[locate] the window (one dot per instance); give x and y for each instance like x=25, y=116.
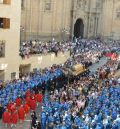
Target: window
x=2, y=48
x=118, y=15
x=48, y=5
x=5, y=1
x=2, y=75
x=5, y=23
x=13, y=75
x=1, y=22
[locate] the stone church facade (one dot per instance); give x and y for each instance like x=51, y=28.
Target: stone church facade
x=62, y=19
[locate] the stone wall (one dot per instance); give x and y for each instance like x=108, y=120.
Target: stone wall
x=11, y=36
x=44, y=19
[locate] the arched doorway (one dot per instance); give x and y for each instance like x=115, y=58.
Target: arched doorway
x=79, y=28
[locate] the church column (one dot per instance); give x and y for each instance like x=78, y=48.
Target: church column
x=89, y=15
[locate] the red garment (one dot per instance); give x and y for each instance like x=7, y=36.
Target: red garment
x=32, y=104
x=9, y=106
x=39, y=97
x=18, y=102
x=26, y=108
x=21, y=113
x=27, y=100
x=13, y=108
x=14, y=118
x=6, y=117
x=114, y=56
x=27, y=94
x=109, y=54
x=33, y=96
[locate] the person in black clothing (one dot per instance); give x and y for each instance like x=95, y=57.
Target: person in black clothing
x=1, y=111
x=38, y=125
x=34, y=118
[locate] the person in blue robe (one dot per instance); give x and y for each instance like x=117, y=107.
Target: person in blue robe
x=43, y=120
x=68, y=123
x=63, y=126
x=114, y=115
x=50, y=118
x=77, y=121
x=93, y=125
x=99, y=126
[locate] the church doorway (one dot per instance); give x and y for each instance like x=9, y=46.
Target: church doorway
x=79, y=28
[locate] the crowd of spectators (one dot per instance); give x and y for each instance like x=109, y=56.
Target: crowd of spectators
x=85, y=52
x=69, y=105
x=37, y=47
x=28, y=48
